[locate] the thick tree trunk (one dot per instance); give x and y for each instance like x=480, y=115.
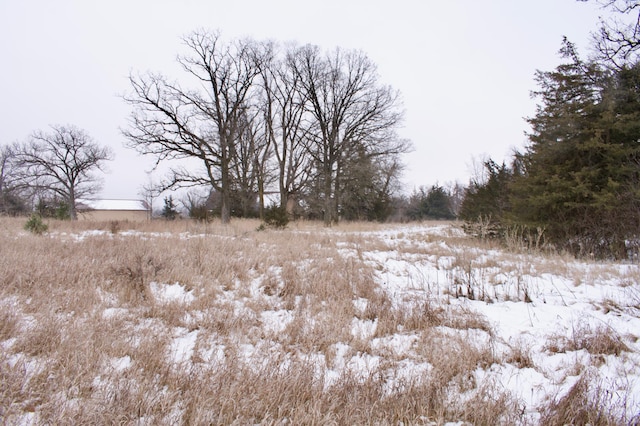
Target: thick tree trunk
x=328, y=199
x=284, y=194
x=225, y=208
x=225, y=205
x=72, y=205
x=261, y=198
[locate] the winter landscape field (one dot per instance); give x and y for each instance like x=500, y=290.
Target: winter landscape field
x=415, y=324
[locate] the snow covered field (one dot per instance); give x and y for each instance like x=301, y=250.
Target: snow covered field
x=553, y=321
x=370, y=324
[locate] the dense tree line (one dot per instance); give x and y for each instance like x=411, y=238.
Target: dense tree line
x=316, y=130
x=576, y=185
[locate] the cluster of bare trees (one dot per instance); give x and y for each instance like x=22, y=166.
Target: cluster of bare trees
x=50, y=170
x=317, y=128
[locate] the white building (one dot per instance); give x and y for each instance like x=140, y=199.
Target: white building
x=110, y=210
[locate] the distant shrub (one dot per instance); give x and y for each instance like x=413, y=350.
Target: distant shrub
x=35, y=225
x=201, y=213
x=114, y=227
x=170, y=212
x=54, y=208
x=276, y=217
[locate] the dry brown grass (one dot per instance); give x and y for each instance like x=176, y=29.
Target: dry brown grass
x=8, y=322
x=519, y=354
x=588, y=402
x=597, y=340
x=86, y=339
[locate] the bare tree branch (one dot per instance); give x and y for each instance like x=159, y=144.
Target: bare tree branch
x=618, y=38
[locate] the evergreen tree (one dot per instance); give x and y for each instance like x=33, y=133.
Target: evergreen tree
x=435, y=204
x=416, y=206
x=487, y=200
x=438, y=204
x=580, y=171
x=169, y=212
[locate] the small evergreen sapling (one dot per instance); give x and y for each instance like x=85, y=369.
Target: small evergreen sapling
x=276, y=217
x=35, y=225
x=169, y=212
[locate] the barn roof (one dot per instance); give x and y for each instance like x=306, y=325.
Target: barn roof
x=129, y=205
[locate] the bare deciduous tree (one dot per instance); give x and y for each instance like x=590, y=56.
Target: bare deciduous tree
x=350, y=112
x=6, y=155
x=62, y=162
x=250, y=170
x=149, y=191
x=286, y=127
x=171, y=122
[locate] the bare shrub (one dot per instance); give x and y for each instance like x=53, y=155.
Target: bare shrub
x=292, y=284
x=115, y=226
x=137, y=269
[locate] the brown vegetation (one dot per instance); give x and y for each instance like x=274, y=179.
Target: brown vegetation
x=266, y=335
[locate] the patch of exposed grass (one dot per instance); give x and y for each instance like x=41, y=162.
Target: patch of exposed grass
x=588, y=402
x=597, y=340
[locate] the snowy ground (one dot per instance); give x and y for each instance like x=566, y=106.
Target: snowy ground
x=555, y=311
x=549, y=321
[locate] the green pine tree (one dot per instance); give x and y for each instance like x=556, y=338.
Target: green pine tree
x=169, y=211
x=580, y=171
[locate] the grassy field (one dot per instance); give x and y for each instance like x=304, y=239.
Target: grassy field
x=186, y=323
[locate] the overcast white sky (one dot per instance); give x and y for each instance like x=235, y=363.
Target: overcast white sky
x=465, y=68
